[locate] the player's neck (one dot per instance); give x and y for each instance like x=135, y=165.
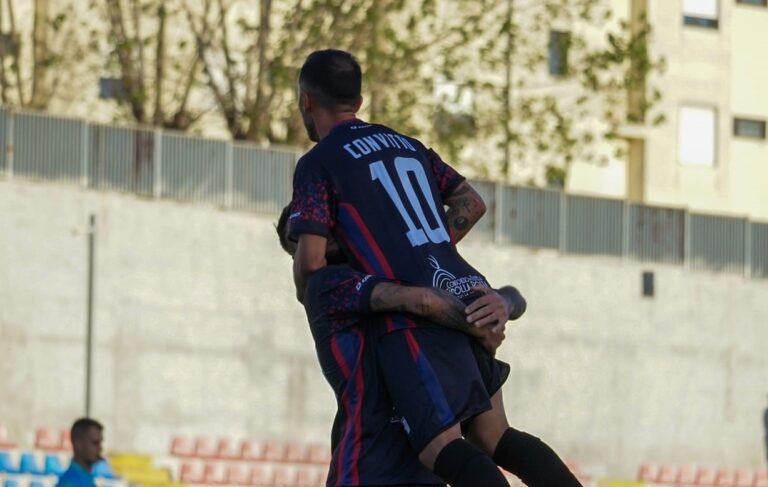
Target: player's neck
x=331, y=120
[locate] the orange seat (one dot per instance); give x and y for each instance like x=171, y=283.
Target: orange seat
x=686, y=475
x=227, y=449
x=704, y=476
x=261, y=476
x=275, y=452
x=647, y=472
x=725, y=477
x=213, y=473
x=285, y=477
x=666, y=474
x=297, y=453
x=744, y=478
x=319, y=454
x=205, y=447
x=65, y=441
x=182, y=446
x=47, y=440
x=191, y=473
x=4, y=441
x=237, y=474
x=308, y=478
x=251, y=450
x=761, y=479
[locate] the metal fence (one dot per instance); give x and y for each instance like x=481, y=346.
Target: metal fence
x=162, y=164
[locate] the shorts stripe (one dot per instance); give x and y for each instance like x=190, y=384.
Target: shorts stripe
x=347, y=349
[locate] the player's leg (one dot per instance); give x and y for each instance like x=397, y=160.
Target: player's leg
x=520, y=453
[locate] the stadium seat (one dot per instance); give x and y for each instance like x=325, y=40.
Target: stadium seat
x=261, y=476
x=285, y=477
x=251, y=450
x=7, y=464
x=53, y=465
x=319, y=454
x=65, y=441
x=47, y=440
x=36, y=483
x=761, y=479
x=704, y=476
x=103, y=470
x=686, y=475
x=297, y=453
x=309, y=478
x=237, y=474
x=744, y=478
x=227, y=450
x=724, y=477
x=182, y=447
x=647, y=472
x=666, y=474
x=191, y=473
x=205, y=447
x=274, y=452
x=5, y=443
x=28, y=464
x=11, y=483
x=213, y=473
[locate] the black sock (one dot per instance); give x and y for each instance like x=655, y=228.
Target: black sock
x=532, y=460
x=463, y=465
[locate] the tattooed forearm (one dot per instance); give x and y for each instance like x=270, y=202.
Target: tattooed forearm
x=465, y=208
x=390, y=297
x=448, y=311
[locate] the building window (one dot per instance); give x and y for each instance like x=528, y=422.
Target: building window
x=697, y=136
x=559, y=45
x=744, y=127
x=759, y=3
x=700, y=13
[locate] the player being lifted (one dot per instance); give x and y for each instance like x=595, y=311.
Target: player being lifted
x=381, y=194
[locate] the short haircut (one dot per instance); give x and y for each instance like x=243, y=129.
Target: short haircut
x=333, y=77
x=82, y=425
x=282, y=230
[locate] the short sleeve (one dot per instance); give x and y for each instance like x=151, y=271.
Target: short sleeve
x=338, y=297
x=447, y=178
x=312, y=202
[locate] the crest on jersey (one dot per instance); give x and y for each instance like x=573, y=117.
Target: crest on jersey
x=459, y=287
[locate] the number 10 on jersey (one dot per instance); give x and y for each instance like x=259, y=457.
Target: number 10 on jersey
x=405, y=165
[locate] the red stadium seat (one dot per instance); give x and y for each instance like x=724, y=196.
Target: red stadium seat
x=666, y=474
x=285, y=477
x=182, y=446
x=251, y=450
x=191, y=473
x=238, y=474
x=704, y=476
x=319, y=454
x=4, y=441
x=275, y=452
x=261, y=476
x=205, y=448
x=65, y=441
x=227, y=450
x=686, y=475
x=213, y=473
x=47, y=440
x=744, y=478
x=647, y=472
x=761, y=479
x=725, y=477
x=297, y=453
x=308, y=478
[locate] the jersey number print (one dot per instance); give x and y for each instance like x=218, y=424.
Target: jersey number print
x=405, y=165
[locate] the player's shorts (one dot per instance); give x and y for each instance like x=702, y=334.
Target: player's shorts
x=436, y=377
x=369, y=446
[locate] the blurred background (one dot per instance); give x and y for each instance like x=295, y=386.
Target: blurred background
x=147, y=146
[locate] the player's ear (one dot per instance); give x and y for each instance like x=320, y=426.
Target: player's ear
x=358, y=103
x=305, y=100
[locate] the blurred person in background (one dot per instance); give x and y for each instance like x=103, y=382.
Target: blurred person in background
x=87, y=437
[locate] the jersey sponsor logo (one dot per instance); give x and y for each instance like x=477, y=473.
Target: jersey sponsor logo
x=403, y=422
x=460, y=287
x=359, y=285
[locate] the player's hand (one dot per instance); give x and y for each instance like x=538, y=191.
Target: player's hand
x=491, y=340
x=443, y=308
x=489, y=309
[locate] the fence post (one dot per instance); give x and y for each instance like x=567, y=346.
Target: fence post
x=157, y=164
x=747, y=248
x=10, y=148
x=84, y=173
x=687, y=241
x=562, y=233
x=498, y=212
x=625, y=230
x=229, y=175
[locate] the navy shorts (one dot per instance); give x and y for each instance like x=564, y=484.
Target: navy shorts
x=436, y=378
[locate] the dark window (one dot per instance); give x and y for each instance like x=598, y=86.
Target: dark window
x=112, y=88
x=700, y=22
x=759, y=3
x=559, y=45
x=648, y=290
x=744, y=127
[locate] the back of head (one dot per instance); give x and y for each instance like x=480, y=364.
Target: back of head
x=81, y=426
x=333, y=77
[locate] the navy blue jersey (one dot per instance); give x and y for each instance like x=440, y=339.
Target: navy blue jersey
x=369, y=444
x=380, y=194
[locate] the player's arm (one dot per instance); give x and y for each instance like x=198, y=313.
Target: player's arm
x=495, y=307
x=465, y=208
x=309, y=257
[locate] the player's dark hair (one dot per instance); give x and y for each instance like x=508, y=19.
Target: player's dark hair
x=81, y=427
x=282, y=230
x=333, y=77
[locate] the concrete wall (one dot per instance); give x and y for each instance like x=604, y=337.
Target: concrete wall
x=197, y=331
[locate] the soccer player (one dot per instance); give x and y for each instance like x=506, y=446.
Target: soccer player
x=381, y=194
x=87, y=436
x=368, y=442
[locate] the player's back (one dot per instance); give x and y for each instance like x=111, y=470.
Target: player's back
x=384, y=198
